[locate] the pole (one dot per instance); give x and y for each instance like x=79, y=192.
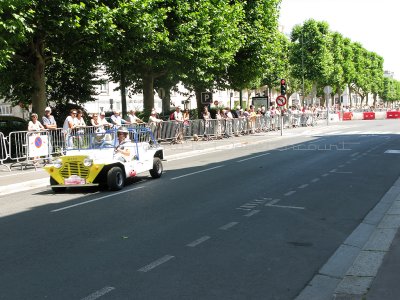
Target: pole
x=327, y=110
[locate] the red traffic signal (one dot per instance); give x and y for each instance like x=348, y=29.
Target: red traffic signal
x=283, y=81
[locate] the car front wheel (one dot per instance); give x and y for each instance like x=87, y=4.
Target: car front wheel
x=54, y=187
x=115, y=179
x=157, y=170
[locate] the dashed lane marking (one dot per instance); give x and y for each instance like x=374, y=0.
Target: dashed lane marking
x=228, y=226
x=315, y=180
x=99, y=293
x=198, y=241
x=289, y=193
x=242, y=160
x=97, y=199
x=194, y=173
x=156, y=263
x=324, y=175
x=252, y=213
x=303, y=186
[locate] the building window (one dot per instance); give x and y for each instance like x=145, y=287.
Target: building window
x=104, y=88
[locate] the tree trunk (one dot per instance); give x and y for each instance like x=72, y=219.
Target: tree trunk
x=198, y=101
x=166, y=101
x=123, y=91
x=39, y=81
x=148, y=91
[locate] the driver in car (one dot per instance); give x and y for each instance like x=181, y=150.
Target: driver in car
x=123, y=149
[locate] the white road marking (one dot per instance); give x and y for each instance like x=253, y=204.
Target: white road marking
x=18, y=174
x=273, y=202
x=283, y=206
x=315, y=180
x=303, y=186
x=289, y=193
x=99, y=293
x=97, y=199
x=252, y=213
x=333, y=170
x=355, y=154
x=243, y=208
x=201, y=171
x=200, y=152
x=392, y=151
x=248, y=206
x=198, y=241
x=242, y=160
x=343, y=172
x=259, y=201
x=229, y=225
x=324, y=175
x=156, y=263
x=340, y=166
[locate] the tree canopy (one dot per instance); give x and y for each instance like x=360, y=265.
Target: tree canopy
x=51, y=50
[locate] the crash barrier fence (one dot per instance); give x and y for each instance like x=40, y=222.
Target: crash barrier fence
x=370, y=115
x=28, y=147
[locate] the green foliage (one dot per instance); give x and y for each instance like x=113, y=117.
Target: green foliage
x=262, y=55
x=310, y=54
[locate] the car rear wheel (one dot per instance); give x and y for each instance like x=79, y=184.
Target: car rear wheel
x=54, y=187
x=157, y=170
x=115, y=179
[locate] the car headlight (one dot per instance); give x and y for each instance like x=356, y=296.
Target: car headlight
x=57, y=163
x=87, y=162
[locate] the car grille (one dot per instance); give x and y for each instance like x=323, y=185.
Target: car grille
x=74, y=168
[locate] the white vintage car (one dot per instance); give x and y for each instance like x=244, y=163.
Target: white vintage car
x=92, y=159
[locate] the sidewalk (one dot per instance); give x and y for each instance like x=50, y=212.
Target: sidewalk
x=364, y=267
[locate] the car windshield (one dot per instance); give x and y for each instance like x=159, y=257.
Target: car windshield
x=97, y=138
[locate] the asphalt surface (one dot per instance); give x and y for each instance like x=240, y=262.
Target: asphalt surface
x=255, y=217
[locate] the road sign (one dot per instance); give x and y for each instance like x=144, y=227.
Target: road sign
x=281, y=100
x=206, y=98
x=327, y=89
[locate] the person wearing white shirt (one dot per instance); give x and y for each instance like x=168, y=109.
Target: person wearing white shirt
x=68, y=126
x=117, y=119
x=34, y=124
x=133, y=118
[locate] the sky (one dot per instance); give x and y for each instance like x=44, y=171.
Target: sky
x=373, y=23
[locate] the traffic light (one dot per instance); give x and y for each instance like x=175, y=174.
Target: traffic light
x=283, y=87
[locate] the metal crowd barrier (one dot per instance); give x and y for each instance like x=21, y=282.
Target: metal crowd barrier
x=27, y=147
x=3, y=151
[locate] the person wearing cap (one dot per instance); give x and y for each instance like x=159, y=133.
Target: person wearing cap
x=48, y=120
x=122, y=151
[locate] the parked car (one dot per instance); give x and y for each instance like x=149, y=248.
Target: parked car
x=11, y=123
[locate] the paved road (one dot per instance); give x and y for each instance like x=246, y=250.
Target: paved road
x=251, y=222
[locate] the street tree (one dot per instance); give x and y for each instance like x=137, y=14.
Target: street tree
x=310, y=54
x=262, y=57
x=55, y=31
